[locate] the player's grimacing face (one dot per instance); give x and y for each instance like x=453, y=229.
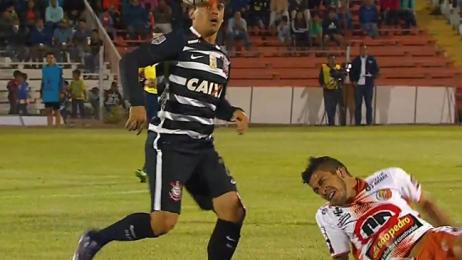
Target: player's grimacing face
x=209, y=17
x=330, y=186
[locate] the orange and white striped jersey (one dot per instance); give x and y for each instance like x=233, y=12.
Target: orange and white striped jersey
x=379, y=223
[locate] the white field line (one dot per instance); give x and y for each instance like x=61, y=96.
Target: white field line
x=67, y=195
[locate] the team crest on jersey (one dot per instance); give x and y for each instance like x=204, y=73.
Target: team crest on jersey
x=384, y=194
x=175, y=191
x=158, y=39
x=213, y=61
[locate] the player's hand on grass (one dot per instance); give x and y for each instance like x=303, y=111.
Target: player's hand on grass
x=136, y=119
x=242, y=121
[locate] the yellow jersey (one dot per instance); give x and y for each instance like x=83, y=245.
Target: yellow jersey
x=148, y=74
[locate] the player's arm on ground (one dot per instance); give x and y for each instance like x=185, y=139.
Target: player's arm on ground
x=336, y=239
x=162, y=48
x=411, y=190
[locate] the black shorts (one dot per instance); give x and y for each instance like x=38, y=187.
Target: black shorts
x=54, y=105
x=177, y=161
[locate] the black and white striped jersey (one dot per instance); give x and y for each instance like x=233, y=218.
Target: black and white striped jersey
x=195, y=94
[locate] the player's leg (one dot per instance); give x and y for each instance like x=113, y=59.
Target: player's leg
x=49, y=113
x=226, y=204
x=57, y=114
x=167, y=171
x=368, y=96
x=358, y=103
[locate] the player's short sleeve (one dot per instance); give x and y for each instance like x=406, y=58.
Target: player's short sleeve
x=409, y=188
x=164, y=47
x=336, y=239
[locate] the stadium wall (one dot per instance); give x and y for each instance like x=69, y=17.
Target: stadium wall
x=305, y=106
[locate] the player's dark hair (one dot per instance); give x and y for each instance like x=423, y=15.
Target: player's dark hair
x=324, y=163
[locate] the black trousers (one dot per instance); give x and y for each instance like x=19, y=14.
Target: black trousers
x=366, y=93
x=332, y=99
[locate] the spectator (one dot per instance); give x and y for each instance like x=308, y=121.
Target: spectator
x=300, y=30
x=284, y=32
x=331, y=80
x=112, y=97
x=78, y=94
x=31, y=14
x=108, y=23
x=80, y=41
x=50, y=91
x=259, y=13
x=297, y=6
x=331, y=29
x=12, y=88
x=316, y=31
x=345, y=18
x=40, y=41
x=8, y=20
x=16, y=43
x=364, y=71
x=163, y=17
x=314, y=5
x=150, y=4
x=93, y=98
x=107, y=4
x=74, y=9
x=136, y=19
x=408, y=13
x=116, y=18
x=279, y=8
x=390, y=11
x=66, y=99
x=23, y=94
x=368, y=18
x=331, y=4
x=91, y=54
x=237, y=31
x=237, y=5
x=62, y=39
x=54, y=14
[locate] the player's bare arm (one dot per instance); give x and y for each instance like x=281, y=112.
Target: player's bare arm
x=434, y=212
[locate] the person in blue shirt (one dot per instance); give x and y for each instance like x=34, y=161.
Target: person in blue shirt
x=23, y=94
x=52, y=84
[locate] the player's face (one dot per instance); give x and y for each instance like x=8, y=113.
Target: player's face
x=207, y=18
x=330, y=186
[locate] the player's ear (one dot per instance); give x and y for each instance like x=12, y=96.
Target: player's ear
x=341, y=172
x=191, y=12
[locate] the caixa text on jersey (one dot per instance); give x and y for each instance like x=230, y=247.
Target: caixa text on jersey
x=204, y=86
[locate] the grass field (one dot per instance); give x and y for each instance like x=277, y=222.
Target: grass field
x=55, y=183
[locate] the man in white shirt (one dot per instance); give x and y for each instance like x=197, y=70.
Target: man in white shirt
x=372, y=218
x=364, y=71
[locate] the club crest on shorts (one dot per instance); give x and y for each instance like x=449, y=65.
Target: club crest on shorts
x=175, y=191
x=384, y=194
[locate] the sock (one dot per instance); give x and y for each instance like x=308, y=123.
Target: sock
x=224, y=240
x=133, y=227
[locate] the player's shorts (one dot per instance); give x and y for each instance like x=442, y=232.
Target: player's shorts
x=53, y=105
x=152, y=105
x=177, y=161
x=439, y=244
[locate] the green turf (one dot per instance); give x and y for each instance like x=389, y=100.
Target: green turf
x=54, y=183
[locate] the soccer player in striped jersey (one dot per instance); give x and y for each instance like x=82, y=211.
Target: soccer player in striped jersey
x=179, y=148
x=374, y=216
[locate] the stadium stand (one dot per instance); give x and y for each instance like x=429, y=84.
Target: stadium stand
x=406, y=53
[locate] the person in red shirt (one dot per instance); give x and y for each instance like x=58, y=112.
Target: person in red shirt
x=12, y=87
x=390, y=11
